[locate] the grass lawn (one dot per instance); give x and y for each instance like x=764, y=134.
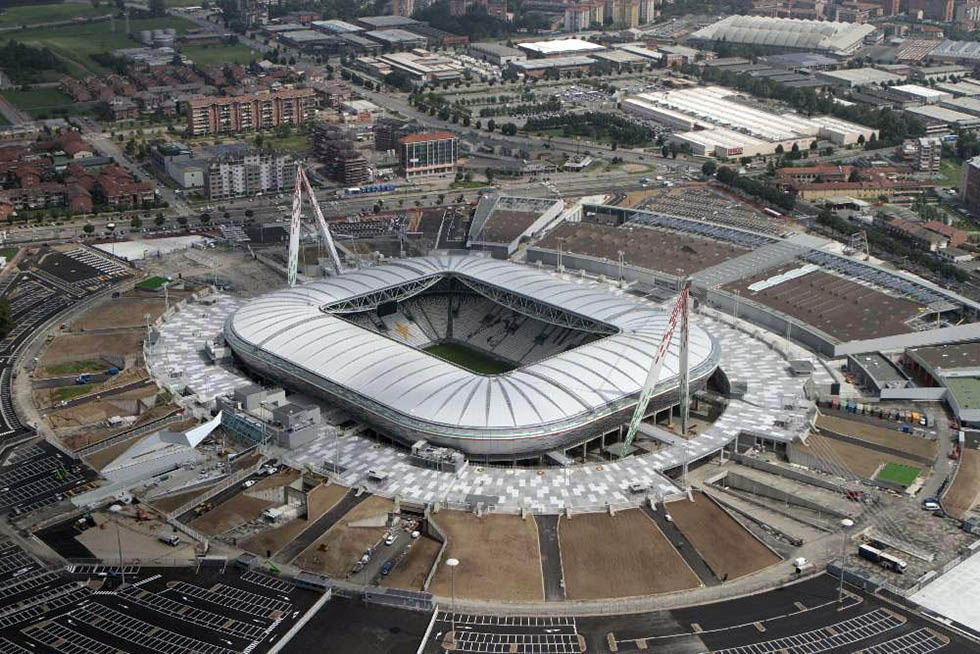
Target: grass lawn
x=42, y=101
x=70, y=392
x=899, y=474
x=152, y=283
x=469, y=184
x=3, y=121
x=469, y=358
x=75, y=368
x=207, y=55
x=8, y=253
x=50, y=13
x=291, y=143
x=951, y=172
x=75, y=43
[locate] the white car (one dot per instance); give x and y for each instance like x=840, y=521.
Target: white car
x=249, y=483
x=390, y=539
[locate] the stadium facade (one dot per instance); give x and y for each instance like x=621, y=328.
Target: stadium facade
x=576, y=356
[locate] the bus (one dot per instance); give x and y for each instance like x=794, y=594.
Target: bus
x=884, y=559
x=772, y=212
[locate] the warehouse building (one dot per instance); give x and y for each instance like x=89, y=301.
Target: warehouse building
x=789, y=34
x=857, y=77
x=712, y=121
x=335, y=27
x=967, y=105
x=559, y=47
x=562, y=65
x=921, y=94
x=398, y=38
x=964, y=87
x=939, y=119
x=498, y=55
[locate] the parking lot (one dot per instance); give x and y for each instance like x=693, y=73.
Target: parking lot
x=42, y=477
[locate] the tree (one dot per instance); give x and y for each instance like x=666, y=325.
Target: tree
x=708, y=168
x=205, y=218
x=813, y=145
x=158, y=8
x=159, y=220
x=780, y=149
x=491, y=125
x=88, y=228
x=249, y=213
x=855, y=176
x=861, y=139
x=135, y=222
x=795, y=149
x=508, y=129
x=6, y=319
x=182, y=221
x=664, y=151
x=226, y=215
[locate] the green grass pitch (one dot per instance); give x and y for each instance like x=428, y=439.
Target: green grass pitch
x=899, y=474
x=469, y=358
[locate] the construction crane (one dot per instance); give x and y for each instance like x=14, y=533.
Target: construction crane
x=680, y=313
x=303, y=184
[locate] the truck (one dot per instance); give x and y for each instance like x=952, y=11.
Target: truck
x=884, y=559
x=83, y=378
x=173, y=540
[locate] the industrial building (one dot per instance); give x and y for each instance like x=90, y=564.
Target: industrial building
x=967, y=105
x=939, y=119
x=425, y=66
x=559, y=47
x=336, y=27
x=498, y=55
x=787, y=33
x=921, y=94
x=428, y=153
x=561, y=65
x=713, y=122
x=857, y=77
x=398, y=38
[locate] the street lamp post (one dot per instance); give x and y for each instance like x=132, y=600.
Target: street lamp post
x=846, y=523
x=116, y=509
x=452, y=563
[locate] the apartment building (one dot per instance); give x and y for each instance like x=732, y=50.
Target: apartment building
x=247, y=172
x=222, y=115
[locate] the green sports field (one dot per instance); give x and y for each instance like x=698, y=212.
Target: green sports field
x=43, y=102
x=468, y=357
x=152, y=283
x=899, y=474
x=50, y=13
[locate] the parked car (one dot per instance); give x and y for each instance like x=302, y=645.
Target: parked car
x=386, y=568
x=249, y=483
x=390, y=539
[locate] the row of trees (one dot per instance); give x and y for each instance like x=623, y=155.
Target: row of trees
x=547, y=106
x=758, y=189
x=594, y=125
x=24, y=64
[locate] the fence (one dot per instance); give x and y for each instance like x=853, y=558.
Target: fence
x=153, y=425
x=222, y=486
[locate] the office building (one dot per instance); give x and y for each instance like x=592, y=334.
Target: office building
x=428, y=153
x=970, y=185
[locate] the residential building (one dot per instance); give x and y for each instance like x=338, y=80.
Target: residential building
x=923, y=154
x=117, y=188
x=938, y=10
x=387, y=131
x=219, y=115
x=577, y=18
x=344, y=163
x=626, y=13
x=857, y=12
x=428, y=153
x=954, y=235
x=403, y=7
x=970, y=185
x=889, y=7
x=648, y=12
x=248, y=172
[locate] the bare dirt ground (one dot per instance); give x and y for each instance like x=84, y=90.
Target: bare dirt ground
x=862, y=461
x=413, y=568
x=231, y=268
x=728, y=549
x=965, y=490
x=318, y=501
x=104, y=457
x=619, y=556
x=236, y=511
x=138, y=539
x=119, y=313
x=284, y=477
x=343, y=545
x=172, y=502
x=74, y=347
x=499, y=554
x=880, y=436
x=634, y=198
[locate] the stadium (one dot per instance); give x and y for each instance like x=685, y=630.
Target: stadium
x=497, y=360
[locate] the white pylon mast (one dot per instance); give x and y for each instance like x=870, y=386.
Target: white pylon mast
x=303, y=183
x=679, y=312
x=322, y=224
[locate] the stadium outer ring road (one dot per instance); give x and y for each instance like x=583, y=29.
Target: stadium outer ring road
x=295, y=336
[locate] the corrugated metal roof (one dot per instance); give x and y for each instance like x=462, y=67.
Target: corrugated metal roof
x=290, y=326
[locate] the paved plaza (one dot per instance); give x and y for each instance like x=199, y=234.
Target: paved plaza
x=773, y=407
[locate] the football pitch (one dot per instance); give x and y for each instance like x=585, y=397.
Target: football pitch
x=468, y=357
x=899, y=474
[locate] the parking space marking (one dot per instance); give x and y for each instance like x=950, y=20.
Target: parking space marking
x=7, y=647
x=830, y=637
x=67, y=641
x=484, y=641
x=236, y=598
x=49, y=600
x=267, y=581
x=23, y=584
x=148, y=637
x=508, y=621
x=219, y=623
x=921, y=641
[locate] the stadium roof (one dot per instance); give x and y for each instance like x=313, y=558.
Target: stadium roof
x=290, y=328
x=813, y=35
